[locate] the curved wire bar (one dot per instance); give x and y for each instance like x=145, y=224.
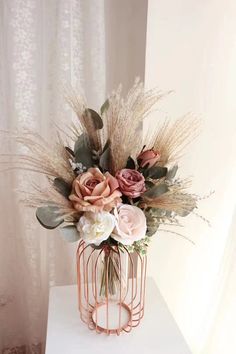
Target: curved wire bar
x=106, y=278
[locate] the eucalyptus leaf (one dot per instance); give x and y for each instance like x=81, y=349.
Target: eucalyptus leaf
x=83, y=153
x=156, y=191
x=130, y=163
x=62, y=186
x=97, y=120
x=69, y=233
x=155, y=172
x=105, y=106
x=172, y=172
x=152, y=229
x=105, y=157
x=149, y=184
x=49, y=216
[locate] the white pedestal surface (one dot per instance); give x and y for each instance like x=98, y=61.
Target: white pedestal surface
x=156, y=334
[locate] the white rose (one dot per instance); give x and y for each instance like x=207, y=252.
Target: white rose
x=96, y=227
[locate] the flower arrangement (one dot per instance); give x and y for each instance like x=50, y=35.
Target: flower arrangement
x=112, y=185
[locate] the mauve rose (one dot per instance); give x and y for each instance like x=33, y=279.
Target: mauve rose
x=148, y=157
x=131, y=182
x=130, y=224
x=93, y=191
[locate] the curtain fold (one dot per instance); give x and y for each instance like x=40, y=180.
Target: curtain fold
x=44, y=46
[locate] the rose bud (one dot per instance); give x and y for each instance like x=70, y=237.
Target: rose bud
x=148, y=158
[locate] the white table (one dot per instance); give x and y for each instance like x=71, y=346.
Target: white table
x=156, y=334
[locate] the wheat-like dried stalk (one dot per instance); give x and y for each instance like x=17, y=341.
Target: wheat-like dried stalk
x=123, y=122
x=85, y=121
x=39, y=156
x=77, y=102
x=177, y=234
x=176, y=199
x=170, y=138
x=49, y=196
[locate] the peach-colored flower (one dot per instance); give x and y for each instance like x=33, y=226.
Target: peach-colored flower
x=130, y=224
x=131, y=182
x=94, y=191
x=148, y=157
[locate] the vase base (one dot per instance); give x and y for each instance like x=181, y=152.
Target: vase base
x=111, y=317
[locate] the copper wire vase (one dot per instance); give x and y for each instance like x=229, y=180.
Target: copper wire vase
x=111, y=288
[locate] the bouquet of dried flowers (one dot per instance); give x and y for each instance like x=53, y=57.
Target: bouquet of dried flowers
x=112, y=186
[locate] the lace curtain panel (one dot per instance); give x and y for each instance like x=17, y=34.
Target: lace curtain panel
x=45, y=44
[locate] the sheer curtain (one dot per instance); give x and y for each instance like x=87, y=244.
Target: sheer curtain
x=44, y=44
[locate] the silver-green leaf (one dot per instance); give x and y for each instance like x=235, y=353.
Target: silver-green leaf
x=105, y=106
x=69, y=233
x=104, y=160
x=62, y=186
x=96, y=119
x=172, y=172
x=82, y=151
x=49, y=216
x=156, y=191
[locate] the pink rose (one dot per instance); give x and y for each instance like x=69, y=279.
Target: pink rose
x=148, y=157
x=93, y=191
x=130, y=224
x=131, y=182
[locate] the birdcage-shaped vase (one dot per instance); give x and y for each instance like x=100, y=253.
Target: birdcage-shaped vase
x=111, y=288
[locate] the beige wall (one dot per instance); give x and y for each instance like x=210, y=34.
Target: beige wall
x=191, y=48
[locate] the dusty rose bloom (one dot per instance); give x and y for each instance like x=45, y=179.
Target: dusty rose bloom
x=148, y=157
x=130, y=224
x=94, y=191
x=131, y=182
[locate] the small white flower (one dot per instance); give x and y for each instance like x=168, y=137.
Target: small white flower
x=77, y=166
x=96, y=227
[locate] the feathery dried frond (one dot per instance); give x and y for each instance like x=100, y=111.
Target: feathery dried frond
x=50, y=196
x=77, y=102
x=123, y=122
x=177, y=234
x=170, y=138
x=176, y=199
x=39, y=156
x=85, y=119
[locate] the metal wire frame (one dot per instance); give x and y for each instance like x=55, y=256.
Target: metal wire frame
x=129, y=294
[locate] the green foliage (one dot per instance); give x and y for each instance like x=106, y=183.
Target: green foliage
x=82, y=151
x=155, y=172
x=62, y=186
x=156, y=191
x=172, y=172
x=49, y=216
x=105, y=106
x=140, y=246
x=105, y=157
x=130, y=163
x=69, y=233
x=96, y=119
